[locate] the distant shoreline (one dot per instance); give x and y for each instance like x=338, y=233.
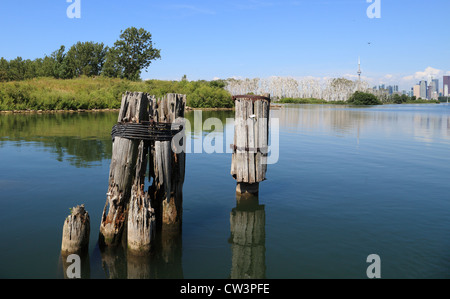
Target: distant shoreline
x=109, y=110
x=188, y=109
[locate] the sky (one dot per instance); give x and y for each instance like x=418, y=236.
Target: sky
x=405, y=40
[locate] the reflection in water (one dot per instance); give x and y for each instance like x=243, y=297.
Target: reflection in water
x=67, y=265
x=164, y=262
x=79, y=138
x=84, y=138
x=410, y=207
x=427, y=123
x=248, y=238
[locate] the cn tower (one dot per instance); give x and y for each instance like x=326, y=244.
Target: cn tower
x=359, y=69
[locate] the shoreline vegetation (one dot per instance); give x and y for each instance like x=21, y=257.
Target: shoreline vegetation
x=393, y=100
x=104, y=94
x=99, y=93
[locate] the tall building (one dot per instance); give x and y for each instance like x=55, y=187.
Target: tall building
x=423, y=89
x=433, y=90
x=435, y=84
x=446, y=89
x=416, y=91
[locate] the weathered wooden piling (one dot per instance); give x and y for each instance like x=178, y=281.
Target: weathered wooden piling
x=141, y=216
x=134, y=109
x=76, y=232
x=249, y=161
x=75, y=242
x=142, y=140
x=167, y=166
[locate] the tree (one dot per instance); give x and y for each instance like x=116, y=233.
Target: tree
x=16, y=70
x=135, y=52
x=60, y=63
x=4, y=65
x=397, y=99
x=112, y=68
x=86, y=59
x=363, y=98
x=48, y=66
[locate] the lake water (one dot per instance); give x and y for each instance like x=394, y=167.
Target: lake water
x=350, y=182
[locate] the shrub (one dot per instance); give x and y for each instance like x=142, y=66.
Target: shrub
x=363, y=98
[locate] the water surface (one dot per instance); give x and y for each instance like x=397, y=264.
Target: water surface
x=350, y=182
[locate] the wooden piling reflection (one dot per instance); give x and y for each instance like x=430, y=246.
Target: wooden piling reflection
x=248, y=235
x=163, y=262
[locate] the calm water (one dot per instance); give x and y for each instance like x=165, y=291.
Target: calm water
x=350, y=182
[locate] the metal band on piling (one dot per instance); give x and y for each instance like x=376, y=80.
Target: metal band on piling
x=253, y=98
x=262, y=150
x=148, y=131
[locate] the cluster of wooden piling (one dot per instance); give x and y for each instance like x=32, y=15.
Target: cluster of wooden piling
x=133, y=214
x=129, y=207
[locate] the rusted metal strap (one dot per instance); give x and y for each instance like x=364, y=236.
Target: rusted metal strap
x=149, y=131
x=262, y=150
x=251, y=98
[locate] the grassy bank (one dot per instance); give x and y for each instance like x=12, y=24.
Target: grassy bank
x=103, y=93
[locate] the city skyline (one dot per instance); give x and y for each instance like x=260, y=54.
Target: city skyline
x=206, y=40
x=425, y=89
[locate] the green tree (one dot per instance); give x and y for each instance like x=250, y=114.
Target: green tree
x=16, y=70
x=86, y=59
x=47, y=67
x=112, y=68
x=396, y=99
x=60, y=70
x=135, y=52
x=363, y=98
x=218, y=83
x=4, y=66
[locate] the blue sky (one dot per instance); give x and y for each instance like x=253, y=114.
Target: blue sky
x=249, y=38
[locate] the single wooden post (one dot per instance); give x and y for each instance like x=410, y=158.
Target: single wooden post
x=249, y=161
x=134, y=109
x=167, y=167
x=76, y=232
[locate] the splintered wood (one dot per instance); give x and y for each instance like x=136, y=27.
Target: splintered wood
x=122, y=171
x=128, y=204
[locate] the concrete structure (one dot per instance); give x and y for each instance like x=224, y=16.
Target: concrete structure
x=359, y=69
x=435, y=84
x=423, y=89
x=446, y=88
